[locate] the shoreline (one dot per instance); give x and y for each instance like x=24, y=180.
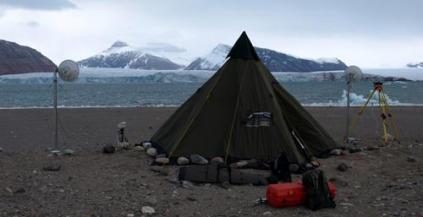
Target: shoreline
x=98, y=125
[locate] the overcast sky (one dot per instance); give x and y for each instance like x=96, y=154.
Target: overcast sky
x=368, y=33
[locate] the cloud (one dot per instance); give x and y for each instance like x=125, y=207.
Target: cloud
x=38, y=5
x=32, y=24
x=366, y=33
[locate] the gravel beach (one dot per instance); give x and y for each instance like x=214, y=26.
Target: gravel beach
x=379, y=181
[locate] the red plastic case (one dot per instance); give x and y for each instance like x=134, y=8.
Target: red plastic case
x=290, y=194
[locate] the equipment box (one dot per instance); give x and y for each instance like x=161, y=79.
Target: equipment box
x=290, y=194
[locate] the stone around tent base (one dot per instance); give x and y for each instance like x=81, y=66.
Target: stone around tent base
x=139, y=148
x=198, y=159
x=218, y=160
x=162, y=160
x=336, y=152
x=152, y=152
x=182, y=161
x=146, y=145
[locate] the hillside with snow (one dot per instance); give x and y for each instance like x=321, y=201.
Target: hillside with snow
x=211, y=61
x=275, y=61
x=152, y=57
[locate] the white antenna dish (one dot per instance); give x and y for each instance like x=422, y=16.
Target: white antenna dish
x=68, y=70
x=353, y=74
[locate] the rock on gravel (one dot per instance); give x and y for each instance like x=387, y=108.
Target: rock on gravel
x=9, y=190
x=354, y=150
x=187, y=184
x=152, y=152
x=174, y=181
x=109, y=149
x=19, y=191
x=411, y=159
x=267, y=213
x=68, y=152
x=339, y=181
x=148, y=210
x=342, y=167
x=151, y=200
x=191, y=198
x=158, y=169
x=52, y=167
x=372, y=148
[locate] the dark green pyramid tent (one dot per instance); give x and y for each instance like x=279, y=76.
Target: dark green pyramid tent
x=242, y=112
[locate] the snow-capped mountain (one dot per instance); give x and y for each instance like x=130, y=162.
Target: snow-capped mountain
x=211, y=61
x=415, y=65
x=121, y=55
x=275, y=61
x=175, y=54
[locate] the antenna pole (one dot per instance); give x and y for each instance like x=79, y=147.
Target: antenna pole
x=347, y=133
x=55, y=111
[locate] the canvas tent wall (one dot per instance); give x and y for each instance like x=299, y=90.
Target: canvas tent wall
x=242, y=112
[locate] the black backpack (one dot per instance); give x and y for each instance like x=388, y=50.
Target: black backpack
x=280, y=171
x=317, y=190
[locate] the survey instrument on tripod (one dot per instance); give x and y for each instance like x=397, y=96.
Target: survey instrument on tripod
x=388, y=120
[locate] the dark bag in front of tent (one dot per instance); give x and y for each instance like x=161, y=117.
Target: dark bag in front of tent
x=317, y=190
x=240, y=177
x=280, y=171
x=200, y=173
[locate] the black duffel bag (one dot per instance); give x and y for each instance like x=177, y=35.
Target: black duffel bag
x=317, y=190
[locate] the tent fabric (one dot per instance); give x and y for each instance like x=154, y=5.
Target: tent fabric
x=242, y=112
x=243, y=49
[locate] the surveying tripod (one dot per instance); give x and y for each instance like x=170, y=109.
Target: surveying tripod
x=388, y=120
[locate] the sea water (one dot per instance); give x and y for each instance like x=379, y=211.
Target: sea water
x=132, y=88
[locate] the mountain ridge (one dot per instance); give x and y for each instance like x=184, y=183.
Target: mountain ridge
x=274, y=60
x=121, y=55
x=17, y=59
